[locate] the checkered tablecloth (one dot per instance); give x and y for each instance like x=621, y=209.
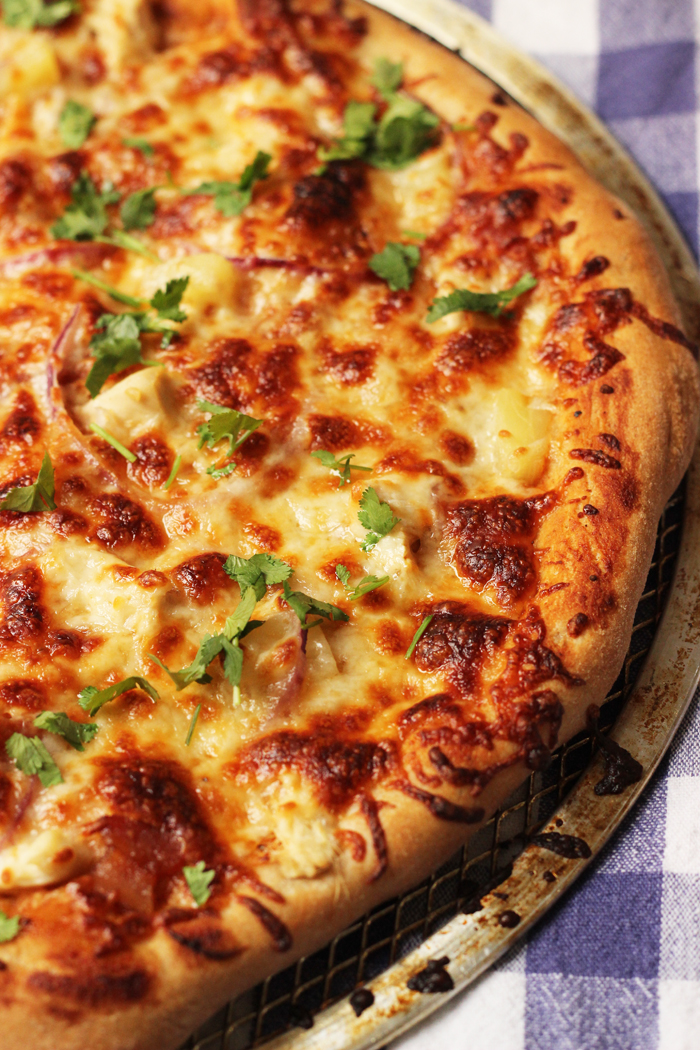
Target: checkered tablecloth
x=616, y=965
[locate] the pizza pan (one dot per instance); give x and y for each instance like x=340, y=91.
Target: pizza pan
x=456, y=912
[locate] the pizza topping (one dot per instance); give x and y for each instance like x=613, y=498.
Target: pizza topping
x=230, y=198
x=142, y=145
x=366, y=584
x=74, y=733
x=225, y=423
x=117, y=343
x=340, y=467
x=396, y=264
x=138, y=210
x=199, y=881
x=75, y=124
x=304, y=605
x=91, y=699
x=192, y=726
x=493, y=303
x=375, y=516
x=111, y=440
x=36, y=497
x=31, y=757
x=85, y=218
x=120, y=297
x=418, y=635
x=26, y=14
x=9, y=927
x=402, y=133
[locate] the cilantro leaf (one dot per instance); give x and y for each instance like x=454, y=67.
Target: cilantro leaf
x=210, y=647
x=115, y=348
x=86, y=216
x=418, y=635
x=166, y=301
x=405, y=130
x=221, y=472
x=388, y=77
x=343, y=575
x=117, y=343
x=304, y=605
x=225, y=423
x=257, y=572
x=75, y=733
x=26, y=14
x=36, y=497
x=377, y=517
x=492, y=303
x=75, y=124
x=199, y=880
x=92, y=699
x=174, y=472
x=31, y=757
x=396, y=264
x=366, y=584
x=138, y=210
x=193, y=723
x=114, y=442
x=230, y=198
x=358, y=129
x=120, y=297
x=9, y=927
x=143, y=145
x=339, y=467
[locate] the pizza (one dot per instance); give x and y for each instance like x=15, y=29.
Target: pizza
x=339, y=404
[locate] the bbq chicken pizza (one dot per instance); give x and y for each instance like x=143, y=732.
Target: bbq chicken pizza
x=338, y=405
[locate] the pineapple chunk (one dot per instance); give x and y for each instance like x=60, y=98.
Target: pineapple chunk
x=29, y=66
x=521, y=436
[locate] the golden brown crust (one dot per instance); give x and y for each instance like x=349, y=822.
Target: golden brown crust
x=627, y=438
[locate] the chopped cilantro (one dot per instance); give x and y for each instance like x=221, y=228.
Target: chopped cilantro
x=120, y=297
x=143, y=145
x=221, y=472
x=461, y=126
x=402, y=133
x=210, y=647
x=339, y=467
x=377, y=517
x=138, y=210
x=388, y=77
x=258, y=572
x=75, y=124
x=85, y=218
x=122, y=239
x=415, y=235
x=166, y=301
x=26, y=14
x=492, y=303
x=31, y=757
x=253, y=576
x=405, y=130
x=225, y=423
x=417, y=636
x=199, y=880
x=173, y=473
x=75, y=733
x=36, y=497
x=111, y=440
x=193, y=723
x=117, y=343
x=358, y=129
x=366, y=584
x=91, y=699
x=9, y=927
x=230, y=198
x=304, y=605
x=396, y=264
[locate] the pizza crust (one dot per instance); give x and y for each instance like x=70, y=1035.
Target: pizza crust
x=653, y=415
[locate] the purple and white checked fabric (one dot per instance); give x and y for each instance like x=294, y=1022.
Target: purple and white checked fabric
x=616, y=965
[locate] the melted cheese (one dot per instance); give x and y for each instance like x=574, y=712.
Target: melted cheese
x=286, y=323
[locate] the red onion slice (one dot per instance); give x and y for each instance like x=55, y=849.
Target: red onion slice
x=85, y=253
